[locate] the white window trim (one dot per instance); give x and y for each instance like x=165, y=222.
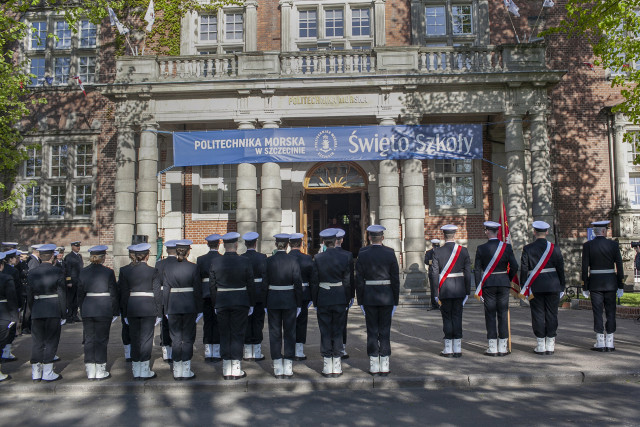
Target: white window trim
x=449, y=39
x=221, y=44
x=196, y=185
x=435, y=210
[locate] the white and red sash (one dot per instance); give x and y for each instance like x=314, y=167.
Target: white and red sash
x=490, y=267
x=526, y=288
x=450, y=263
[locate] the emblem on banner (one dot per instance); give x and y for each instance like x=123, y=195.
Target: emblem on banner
x=326, y=144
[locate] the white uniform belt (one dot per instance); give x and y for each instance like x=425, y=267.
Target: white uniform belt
x=377, y=282
x=280, y=288
x=98, y=294
x=611, y=270
x=460, y=274
x=305, y=284
x=3, y=300
x=548, y=270
x=232, y=289
x=329, y=285
x=141, y=294
x=45, y=296
x=499, y=272
x=206, y=279
x=181, y=289
x=259, y=280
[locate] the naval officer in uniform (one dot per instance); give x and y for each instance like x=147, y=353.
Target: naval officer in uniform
x=126, y=337
x=602, y=282
x=542, y=275
x=73, y=264
x=46, y=297
x=165, y=336
x=331, y=291
x=495, y=268
x=10, y=261
x=254, y=336
x=233, y=295
x=210, y=331
x=284, y=301
x=378, y=290
x=451, y=270
x=306, y=269
x=8, y=307
x=428, y=259
x=98, y=302
x=340, y=233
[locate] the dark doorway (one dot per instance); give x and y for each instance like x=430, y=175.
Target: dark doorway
x=335, y=211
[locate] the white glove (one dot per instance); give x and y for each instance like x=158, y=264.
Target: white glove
x=11, y=324
x=561, y=295
x=482, y=299
x=619, y=293
x=310, y=302
x=394, y=310
x=437, y=299
x=198, y=317
x=250, y=311
x=265, y=310
x=464, y=301
x=585, y=294
x=63, y=321
x=158, y=320
x=298, y=310
x=362, y=308
x=114, y=319
x=166, y=315
x=350, y=304
x=126, y=321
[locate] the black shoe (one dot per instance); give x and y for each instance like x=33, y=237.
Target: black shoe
x=457, y=355
x=448, y=355
x=6, y=360
x=26, y=331
x=299, y=359
x=344, y=356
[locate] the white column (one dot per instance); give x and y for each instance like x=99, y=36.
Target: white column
x=517, y=203
x=271, y=210
x=285, y=25
x=380, y=27
x=251, y=37
x=620, y=159
x=413, y=208
x=542, y=207
x=246, y=193
x=147, y=187
x=124, y=217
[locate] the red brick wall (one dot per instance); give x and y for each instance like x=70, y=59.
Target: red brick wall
x=398, y=22
x=268, y=25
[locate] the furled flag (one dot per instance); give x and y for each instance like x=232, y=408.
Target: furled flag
x=114, y=21
x=505, y=236
x=80, y=84
x=548, y=3
x=511, y=6
x=150, y=16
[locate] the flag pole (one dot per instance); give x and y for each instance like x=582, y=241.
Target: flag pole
x=536, y=24
x=512, y=25
x=504, y=239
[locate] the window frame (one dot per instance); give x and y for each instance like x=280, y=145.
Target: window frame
x=222, y=44
x=449, y=38
x=199, y=180
x=476, y=175
x=346, y=41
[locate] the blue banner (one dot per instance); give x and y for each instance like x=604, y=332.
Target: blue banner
x=349, y=143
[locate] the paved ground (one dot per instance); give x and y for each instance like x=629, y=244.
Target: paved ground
x=416, y=342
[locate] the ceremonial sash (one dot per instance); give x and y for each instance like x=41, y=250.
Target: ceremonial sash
x=526, y=288
x=450, y=263
x=489, y=269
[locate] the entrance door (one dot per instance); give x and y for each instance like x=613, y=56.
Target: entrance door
x=335, y=211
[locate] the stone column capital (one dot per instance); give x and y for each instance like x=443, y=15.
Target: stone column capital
x=269, y=123
x=251, y=3
x=386, y=121
x=246, y=124
x=286, y=3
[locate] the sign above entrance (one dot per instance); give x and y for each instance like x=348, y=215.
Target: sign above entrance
x=349, y=143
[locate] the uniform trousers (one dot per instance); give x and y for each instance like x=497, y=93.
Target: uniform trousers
x=210, y=328
x=72, y=302
x=496, y=304
x=378, y=321
x=165, y=335
x=141, y=332
x=282, y=326
x=451, y=310
x=232, y=322
x=96, y=338
x=255, y=325
x=606, y=299
x=182, y=328
x=4, y=333
x=26, y=317
x=331, y=320
x=12, y=334
x=432, y=287
x=301, y=323
x=344, y=329
x=544, y=314
x=45, y=337
x=126, y=336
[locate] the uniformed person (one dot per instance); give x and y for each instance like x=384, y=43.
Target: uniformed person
x=182, y=301
x=32, y=261
x=255, y=325
x=339, y=239
x=59, y=254
x=306, y=269
x=542, y=274
x=331, y=291
x=451, y=270
x=210, y=330
x=73, y=265
x=602, y=282
x=284, y=302
x=98, y=302
x=428, y=257
x=232, y=292
x=46, y=297
x=495, y=268
x=378, y=290
x=8, y=308
x=140, y=304
x=10, y=262
x=165, y=336
x=125, y=335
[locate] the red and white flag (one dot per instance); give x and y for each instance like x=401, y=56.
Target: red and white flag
x=80, y=84
x=505, y=235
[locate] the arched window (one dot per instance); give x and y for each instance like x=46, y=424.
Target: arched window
x=336, y=176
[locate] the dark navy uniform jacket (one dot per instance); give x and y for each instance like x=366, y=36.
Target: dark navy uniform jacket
x=330, y=266
x=377, y=263
x=73, y=266
x=454, y=287
x=98, y=279
x=428, y=258
x=283, y=270
x=140, y=278
x=181, y=275
x=232, y=271
x=204, y=265
x=45, y=280
x=306, y=270
x=552, y=281
x=259, y=265
x=17, y=280
x=499, y=277
x=602, y=254
x=8, y=299
x=349, y=256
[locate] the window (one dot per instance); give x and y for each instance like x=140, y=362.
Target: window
x=61, y=70
x=360, y=22
x=38, y=35
x=57, y=200
x=233, y=26
x=84, y=160
x=454, y=183
x=334, y=22
x=83, y=199
x=218, y=189
x=436, y=24
x=33, y=165
x=229, y=40
x=87, y=34
x=63, y=35
x=447, y=23
x=209, y=28
x=87, y=69
x=37, y=68
x=461, y=19
x=308, y=23
x=58, y=161
x=32, y=201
